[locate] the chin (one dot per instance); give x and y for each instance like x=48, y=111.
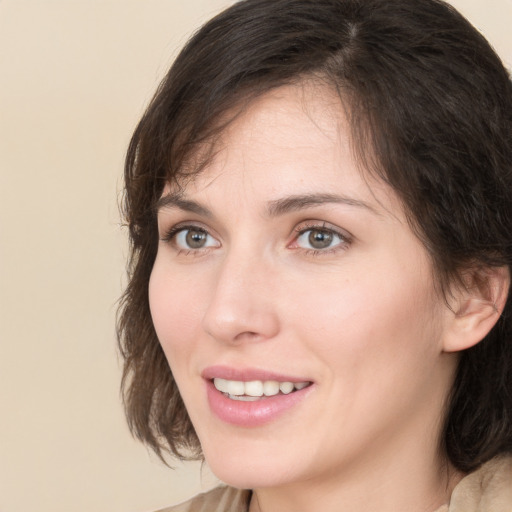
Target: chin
x=247, y=475
x=247, y=467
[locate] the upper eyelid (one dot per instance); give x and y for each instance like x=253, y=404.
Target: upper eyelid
x=170, y=237
x=307, y=225
x=166, y=234
x=167, y=227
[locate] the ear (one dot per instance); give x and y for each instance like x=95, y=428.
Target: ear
x=476, y=307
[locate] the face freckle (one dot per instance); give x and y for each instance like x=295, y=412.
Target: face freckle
x=283, y=262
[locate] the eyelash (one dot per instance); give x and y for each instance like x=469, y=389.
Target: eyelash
x=171, y=234
x=344, y=237
x=300, y=230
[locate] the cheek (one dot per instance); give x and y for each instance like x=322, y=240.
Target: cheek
x=375, y=341
x=174, y=309
x=370, y=319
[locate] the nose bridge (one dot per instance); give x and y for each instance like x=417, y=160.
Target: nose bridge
x=240, y=306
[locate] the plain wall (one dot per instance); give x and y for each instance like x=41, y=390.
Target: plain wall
x=75, y=76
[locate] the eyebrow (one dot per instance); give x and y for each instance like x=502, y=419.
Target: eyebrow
x=275, y=208
x=176, y=200
x=301, y=202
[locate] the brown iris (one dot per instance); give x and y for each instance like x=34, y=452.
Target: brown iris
x=320, y=239
x=195, y=239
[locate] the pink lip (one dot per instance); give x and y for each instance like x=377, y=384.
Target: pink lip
x=247, y=374
x=250, y=414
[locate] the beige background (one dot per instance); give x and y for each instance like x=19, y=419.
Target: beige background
x=75, y=76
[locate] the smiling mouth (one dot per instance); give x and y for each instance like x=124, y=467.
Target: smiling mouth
x=253, y=390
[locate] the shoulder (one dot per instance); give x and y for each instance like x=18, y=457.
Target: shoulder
x=220, y=499
x=489, y=489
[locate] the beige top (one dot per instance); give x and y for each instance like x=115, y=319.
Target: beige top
x=488, y=489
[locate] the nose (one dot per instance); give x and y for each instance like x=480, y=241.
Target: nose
x=242, y=306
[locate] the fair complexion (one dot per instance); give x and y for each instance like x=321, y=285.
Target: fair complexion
x=282, y=261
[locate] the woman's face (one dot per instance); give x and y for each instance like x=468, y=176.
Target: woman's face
x=281, y=270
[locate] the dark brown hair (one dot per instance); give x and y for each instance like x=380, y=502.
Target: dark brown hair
x=427, y=97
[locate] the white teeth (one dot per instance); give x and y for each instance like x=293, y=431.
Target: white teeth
x=252, y=390
x=286, y=387
x=244, y=398
x=221, y=385
x=235, y=387
x=270, y=388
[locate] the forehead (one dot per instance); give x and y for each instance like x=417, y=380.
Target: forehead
x=274, y=117
x=291, y=119
x=295, y=139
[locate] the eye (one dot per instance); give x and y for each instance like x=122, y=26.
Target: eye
x=190, y=238
x=317, y=239
x=320, y=239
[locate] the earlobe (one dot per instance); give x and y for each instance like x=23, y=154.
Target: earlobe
x=476, y=307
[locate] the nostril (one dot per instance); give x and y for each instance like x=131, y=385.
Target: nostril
x=250, y=335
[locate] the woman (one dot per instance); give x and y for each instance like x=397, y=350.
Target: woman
x=319, y=199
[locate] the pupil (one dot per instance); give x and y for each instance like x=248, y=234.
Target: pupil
x=320, y=239
x=196, y=239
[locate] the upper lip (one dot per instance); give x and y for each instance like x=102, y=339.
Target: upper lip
x=247, y=374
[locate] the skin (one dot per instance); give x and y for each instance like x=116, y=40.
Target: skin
x=360, y=318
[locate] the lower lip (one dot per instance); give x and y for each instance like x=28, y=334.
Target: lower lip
x=255, y=413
